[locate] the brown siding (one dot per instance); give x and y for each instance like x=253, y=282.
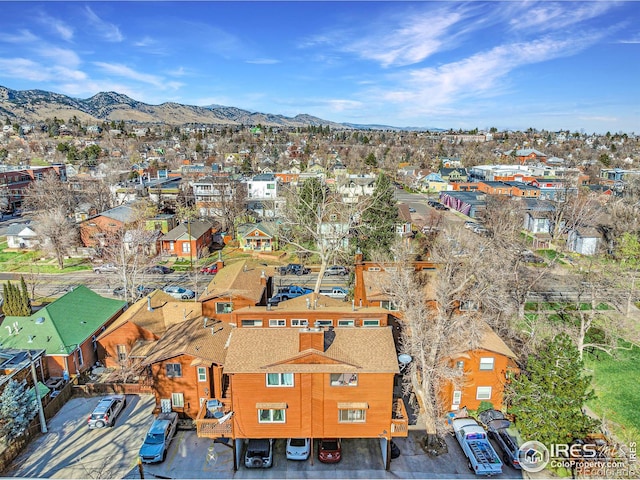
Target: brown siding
x=312, y=406
x=127, y=334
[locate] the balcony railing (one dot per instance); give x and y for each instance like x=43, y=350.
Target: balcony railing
x=399, y=420
x=208, y=426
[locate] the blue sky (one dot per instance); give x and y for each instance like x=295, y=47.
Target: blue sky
x=552, y=65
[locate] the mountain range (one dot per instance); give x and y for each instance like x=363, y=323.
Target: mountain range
x=38, y=105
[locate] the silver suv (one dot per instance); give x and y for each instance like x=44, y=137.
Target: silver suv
x=259, y=453
x=105, y=414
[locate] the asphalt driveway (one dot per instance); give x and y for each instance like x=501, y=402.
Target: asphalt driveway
x=71, y=450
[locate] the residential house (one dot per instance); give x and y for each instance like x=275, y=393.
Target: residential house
x=525, y=155
x=262, y=195
x=313, y=383
x=520, y=189
x=214, y=194
x=404, y=223
x=186, y=365
x=454, y=174
x=584, y=240
x=311, y=310
x=22, y=236
x=67, y=329
x=352, y=187
x=258, y=237
x=537, y=222
x=162, y=222
x=495, y=188
x=240, y=284
x=190, y=239
x=127, y=341
x=95, y=230
x=433, y=182
x=486, y=368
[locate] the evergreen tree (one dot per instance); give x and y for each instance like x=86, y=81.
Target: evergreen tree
x=25, y=300
x=547, y=397
x=17, y=409
x=377, y=227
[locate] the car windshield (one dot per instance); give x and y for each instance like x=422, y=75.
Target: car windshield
x=154, y=438
x=297, y=442
x=96, y=416
x=329, y=445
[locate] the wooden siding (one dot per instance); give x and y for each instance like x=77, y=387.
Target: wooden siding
x=495, y=378
x=127, y=334
x=312, y=406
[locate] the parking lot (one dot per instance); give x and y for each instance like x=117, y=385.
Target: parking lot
x=71, y=450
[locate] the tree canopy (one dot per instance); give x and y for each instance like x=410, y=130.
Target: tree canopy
x=548, y=396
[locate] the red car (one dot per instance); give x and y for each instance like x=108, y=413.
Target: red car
x=330, y=450
x=210, y=269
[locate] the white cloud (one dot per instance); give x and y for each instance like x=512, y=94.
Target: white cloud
x=24, y=68
x=61, y=56
x=23, y=36
x=127, y=72
x=60, y=27
x=108, y=31
x=547, y=16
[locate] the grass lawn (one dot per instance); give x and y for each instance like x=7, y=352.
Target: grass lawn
x=617, y=384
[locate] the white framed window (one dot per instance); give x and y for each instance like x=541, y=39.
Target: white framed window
x=173, y=369
x=279, y=379
x=483, y=393
x=457, y=397
x=323, y=323
x=80, y=357
x=346, y=323
x=390, y=269
x=202, y=374
x=389, y=305
x=460, y=364
x=251, y=323
x=177, y=400
x=352, y=416
x=186, y=247
x=271, y=415
x=172, y=245
x=373, y=269
x=224, y=307
x=94, y=342
x=371, y=323
x=277, y=322
x=486, y=363
x=344, y=379
x=299, y=322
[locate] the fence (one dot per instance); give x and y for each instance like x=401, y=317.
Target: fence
x=50, y=409
x=94, y=389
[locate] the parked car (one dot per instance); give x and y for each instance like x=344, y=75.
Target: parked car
x=440, y=206
x=140, y=291
x=210, y=269
x=106, y=412
x=330, y=450
x=259, y=453
x=161, y=269
x=412, y=210
x=156, y=443
x=470, y=225
x=395, y=450
x=336, y=270
x=179, y=292
x=280, y=297
x=105, y=268
x=298, y=448
x=505, y=434
x=294, y=269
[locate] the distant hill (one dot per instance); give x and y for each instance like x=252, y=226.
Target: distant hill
x=37, y=105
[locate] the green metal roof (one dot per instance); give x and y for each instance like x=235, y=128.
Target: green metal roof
x=62, y=325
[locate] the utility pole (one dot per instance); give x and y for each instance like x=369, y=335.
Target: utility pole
x=43, y=420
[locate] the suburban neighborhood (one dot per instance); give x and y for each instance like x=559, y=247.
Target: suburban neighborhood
x=233, y=298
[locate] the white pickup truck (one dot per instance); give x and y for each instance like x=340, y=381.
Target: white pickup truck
x=334, y=292
x=473, y=440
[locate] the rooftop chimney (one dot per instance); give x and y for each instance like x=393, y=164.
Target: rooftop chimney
x=219, y=262
x=149, y=307
x=263, y=278
x=312, y=338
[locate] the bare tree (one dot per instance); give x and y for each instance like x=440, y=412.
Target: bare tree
x=440, y=317
x=57, y=233
x=41, y=195
x=575, y=211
